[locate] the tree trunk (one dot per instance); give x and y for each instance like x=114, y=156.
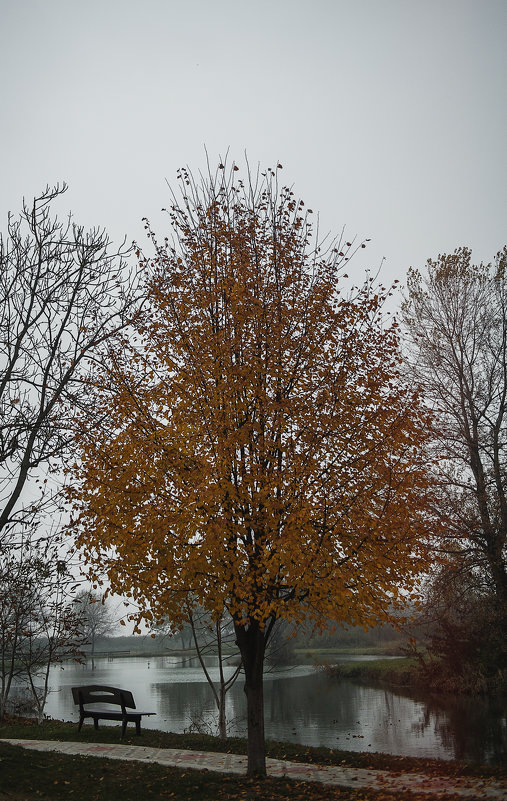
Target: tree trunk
x=222, y=725
x=222, y=721
x=251, y=643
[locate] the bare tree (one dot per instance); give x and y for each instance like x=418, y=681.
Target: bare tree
x=456, y=319
x=219, y=632
x=54, y=636
x=16, y=611
x=63, y=292
x=95, y=617
x=38, y=628
x=217, y=638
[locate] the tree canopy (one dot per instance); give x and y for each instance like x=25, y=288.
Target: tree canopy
x=456, y=319
x=254, y=442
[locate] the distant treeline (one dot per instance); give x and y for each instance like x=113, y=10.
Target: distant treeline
x=380, y=637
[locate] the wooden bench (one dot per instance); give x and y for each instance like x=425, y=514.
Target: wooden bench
x=100, y=694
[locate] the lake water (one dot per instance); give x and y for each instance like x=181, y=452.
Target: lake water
x=301, y=705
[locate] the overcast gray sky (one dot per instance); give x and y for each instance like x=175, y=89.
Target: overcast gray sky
x=389, y=116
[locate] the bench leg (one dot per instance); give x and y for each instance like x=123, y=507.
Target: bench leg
x=123, y=728
x=138, y=726
x=81, y=719
x=96, y=723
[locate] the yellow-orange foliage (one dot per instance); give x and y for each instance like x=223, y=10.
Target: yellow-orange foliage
x=261, y=449
x=254, y=447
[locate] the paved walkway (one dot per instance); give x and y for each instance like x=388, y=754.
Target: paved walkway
x=232, y=763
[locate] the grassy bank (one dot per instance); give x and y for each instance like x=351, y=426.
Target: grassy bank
x=29, y=775
x=322, y=654
x=408, y=672
x=400, y=672
x=59, y=730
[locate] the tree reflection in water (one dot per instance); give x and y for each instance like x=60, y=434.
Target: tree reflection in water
x=474, y=729
x=304, y=706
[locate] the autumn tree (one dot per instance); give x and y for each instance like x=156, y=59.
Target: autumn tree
x=456, y=320
x=262, y=450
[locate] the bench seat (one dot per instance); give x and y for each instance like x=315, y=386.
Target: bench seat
x=113, y=696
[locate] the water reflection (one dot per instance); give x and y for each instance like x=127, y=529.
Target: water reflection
x=303, y=706
x=474, y=729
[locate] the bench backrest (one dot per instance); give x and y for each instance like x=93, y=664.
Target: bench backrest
x=99, y=693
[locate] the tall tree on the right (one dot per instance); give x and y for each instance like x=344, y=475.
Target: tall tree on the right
x=456, y=319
